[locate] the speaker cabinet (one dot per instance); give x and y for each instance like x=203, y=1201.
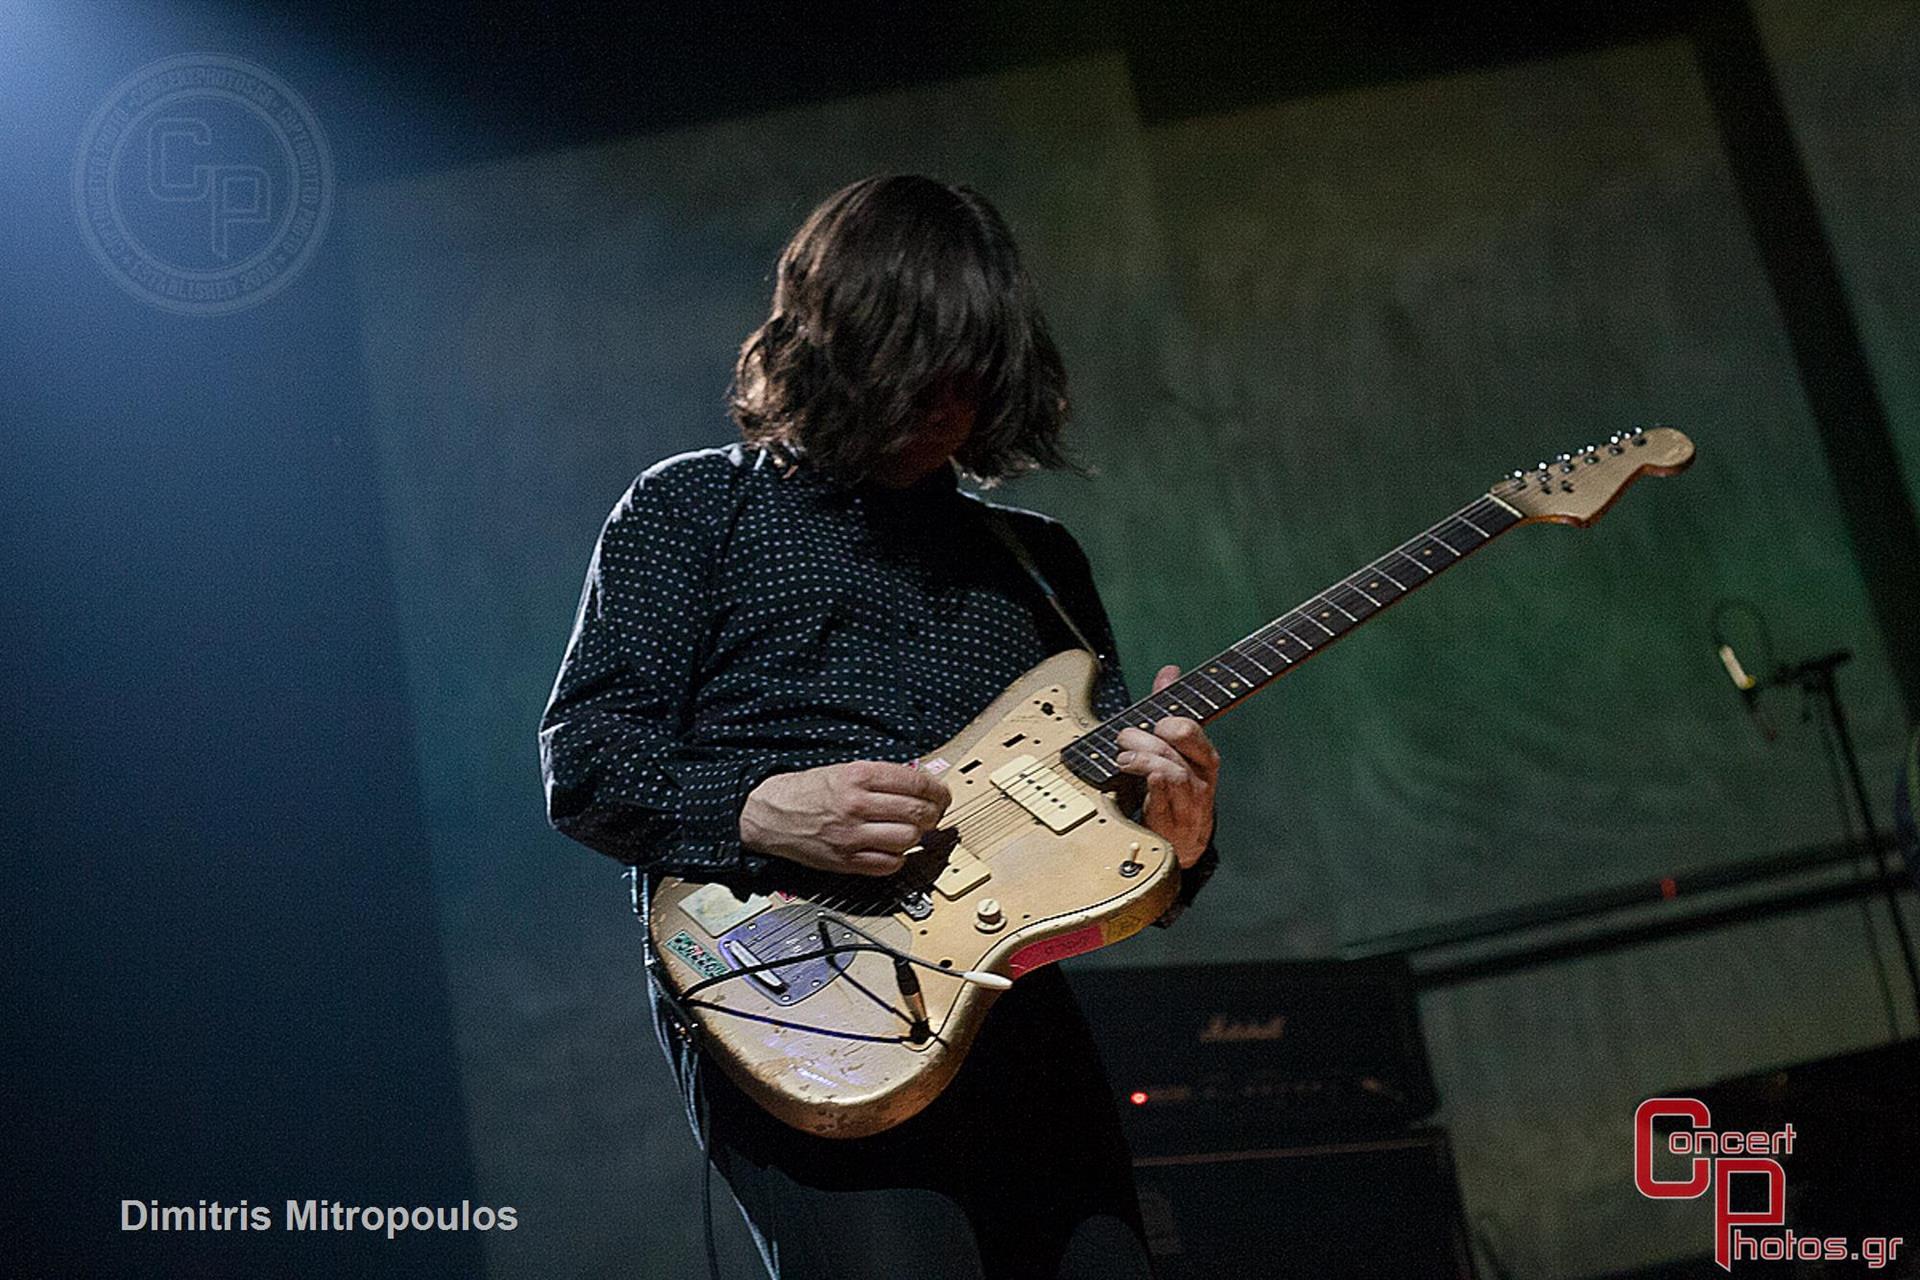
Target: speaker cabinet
x=1376, y=1209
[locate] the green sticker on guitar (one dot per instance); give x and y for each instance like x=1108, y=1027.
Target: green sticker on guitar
x=709, y=965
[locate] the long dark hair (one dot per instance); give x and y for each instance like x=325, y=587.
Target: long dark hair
x=895, y=290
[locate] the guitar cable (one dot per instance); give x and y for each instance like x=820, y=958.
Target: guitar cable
x=699, y=1109
x=901, y=960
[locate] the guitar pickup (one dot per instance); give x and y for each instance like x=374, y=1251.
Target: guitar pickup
x=1044, y=793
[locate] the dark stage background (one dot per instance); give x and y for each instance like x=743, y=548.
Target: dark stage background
x=284, y=590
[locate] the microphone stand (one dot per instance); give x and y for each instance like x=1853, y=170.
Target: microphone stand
x=1815, y=679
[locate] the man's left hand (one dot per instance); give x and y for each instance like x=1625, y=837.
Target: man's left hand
x=1181, y=768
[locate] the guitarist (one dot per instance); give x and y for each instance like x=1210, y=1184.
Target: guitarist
x=769, y=631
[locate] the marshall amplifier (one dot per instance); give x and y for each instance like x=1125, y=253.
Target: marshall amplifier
x=1208, y=1058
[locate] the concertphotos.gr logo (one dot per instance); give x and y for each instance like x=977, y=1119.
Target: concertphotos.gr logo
x=203, y=184
x=1714, y=1158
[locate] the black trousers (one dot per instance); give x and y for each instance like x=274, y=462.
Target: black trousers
x=1018, y=1171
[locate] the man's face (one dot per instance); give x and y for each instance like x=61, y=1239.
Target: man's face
x=948, y=424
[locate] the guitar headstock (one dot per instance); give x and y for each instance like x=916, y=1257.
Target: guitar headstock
x=1575, y=488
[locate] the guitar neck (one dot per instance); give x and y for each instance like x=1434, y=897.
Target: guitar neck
x=1242, y=669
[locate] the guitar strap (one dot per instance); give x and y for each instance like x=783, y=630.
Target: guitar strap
x=1003, y=530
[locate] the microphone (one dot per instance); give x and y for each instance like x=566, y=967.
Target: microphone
x=1749, y=687
x=1749, y=690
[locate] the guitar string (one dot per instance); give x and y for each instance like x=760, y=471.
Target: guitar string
x=1011, y=816
x=1482, y=506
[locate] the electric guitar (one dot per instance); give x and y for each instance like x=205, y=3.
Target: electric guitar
x=844, y=1004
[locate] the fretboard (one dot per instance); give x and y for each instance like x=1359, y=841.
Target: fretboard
x=1236, y=673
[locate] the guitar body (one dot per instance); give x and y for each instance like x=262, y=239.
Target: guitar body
x=1024, y=871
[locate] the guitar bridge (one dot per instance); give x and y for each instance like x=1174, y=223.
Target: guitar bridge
x=792, y=930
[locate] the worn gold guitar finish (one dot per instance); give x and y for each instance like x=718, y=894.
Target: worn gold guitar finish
x=844, y=1004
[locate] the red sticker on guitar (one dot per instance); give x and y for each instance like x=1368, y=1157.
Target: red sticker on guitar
x=1032, y=957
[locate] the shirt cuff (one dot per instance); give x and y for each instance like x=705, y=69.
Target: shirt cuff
x=1192, y=880
x=713, y=792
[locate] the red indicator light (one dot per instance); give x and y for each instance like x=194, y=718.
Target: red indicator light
x=1137, y=1098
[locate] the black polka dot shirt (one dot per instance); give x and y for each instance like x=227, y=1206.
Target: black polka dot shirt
x=744, y=616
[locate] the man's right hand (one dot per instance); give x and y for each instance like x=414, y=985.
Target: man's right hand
x=857, y=818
